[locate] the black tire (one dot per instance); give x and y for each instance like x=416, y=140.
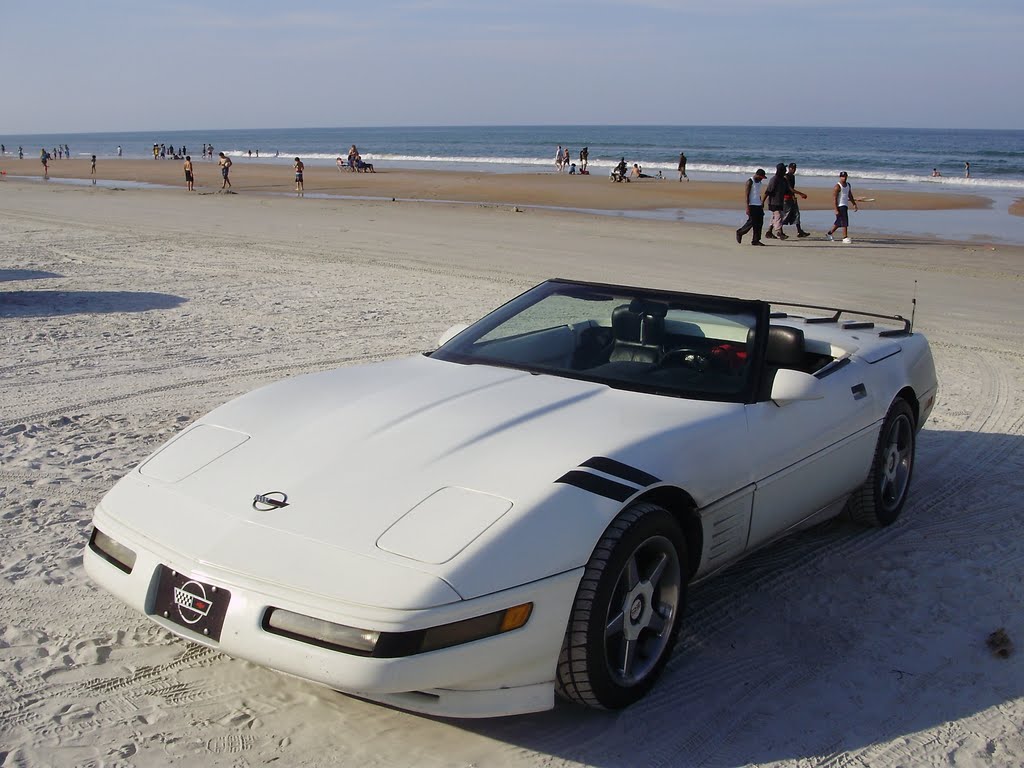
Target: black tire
x=880, y=500
x=627, y=611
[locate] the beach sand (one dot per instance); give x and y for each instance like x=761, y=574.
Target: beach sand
x=125, y=315
x=534, y=189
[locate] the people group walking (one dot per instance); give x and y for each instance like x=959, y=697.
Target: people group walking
x=780, y=196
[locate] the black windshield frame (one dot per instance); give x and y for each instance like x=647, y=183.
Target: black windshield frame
x=454, y=349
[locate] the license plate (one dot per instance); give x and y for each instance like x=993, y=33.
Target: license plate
x=190, y=603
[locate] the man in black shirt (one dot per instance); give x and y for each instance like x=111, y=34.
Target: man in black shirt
x=790, y=207
x=775, y=196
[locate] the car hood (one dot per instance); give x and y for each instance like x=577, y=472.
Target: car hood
x=356, y=449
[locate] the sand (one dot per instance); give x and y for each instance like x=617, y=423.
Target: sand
x=127, y=314
x=545, y=189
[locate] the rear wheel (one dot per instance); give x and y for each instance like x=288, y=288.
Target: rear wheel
x=880, y=500
x=627, y=611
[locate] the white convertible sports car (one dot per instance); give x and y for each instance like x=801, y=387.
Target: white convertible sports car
x=519, y=512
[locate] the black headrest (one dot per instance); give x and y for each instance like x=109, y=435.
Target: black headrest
x=785, y=346
x=648, y=307
x=636, y=327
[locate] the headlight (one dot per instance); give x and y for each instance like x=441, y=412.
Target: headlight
x=320, y=632
x=113, y=552
x=390, y=645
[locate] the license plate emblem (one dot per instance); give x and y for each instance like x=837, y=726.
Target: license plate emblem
x=191, y=603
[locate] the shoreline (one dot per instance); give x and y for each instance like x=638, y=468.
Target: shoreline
x=938, y=216
x=533, y=189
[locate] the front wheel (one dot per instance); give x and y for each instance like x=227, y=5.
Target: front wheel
x=627, y=611
x=880, y=500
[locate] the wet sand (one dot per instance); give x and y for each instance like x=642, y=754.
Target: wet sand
x=533, y=189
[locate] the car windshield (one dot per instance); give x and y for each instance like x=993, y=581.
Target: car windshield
x=668, y=343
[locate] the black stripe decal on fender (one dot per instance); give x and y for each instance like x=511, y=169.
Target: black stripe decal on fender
x=602, y=486
x=618, y=469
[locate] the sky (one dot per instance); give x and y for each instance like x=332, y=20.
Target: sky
x=131, y=65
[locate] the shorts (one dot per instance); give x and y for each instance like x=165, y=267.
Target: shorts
x=224, y=172
x=188, y=175
x=298, y=177
x=843, y=217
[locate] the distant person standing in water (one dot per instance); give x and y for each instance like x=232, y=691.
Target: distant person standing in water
x=119, y=150
x=842, y=197
x=189, y=176
x=225, y=168
x=682, y=167
x=299, y=168
x=967, y=170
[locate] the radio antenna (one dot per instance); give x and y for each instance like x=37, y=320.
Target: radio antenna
x=913, y=307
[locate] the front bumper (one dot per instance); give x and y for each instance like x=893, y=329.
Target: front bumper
x=505, y=674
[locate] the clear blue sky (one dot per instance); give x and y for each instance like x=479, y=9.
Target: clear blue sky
x=111, y=65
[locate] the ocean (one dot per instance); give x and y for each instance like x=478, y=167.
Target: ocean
x=893, y=155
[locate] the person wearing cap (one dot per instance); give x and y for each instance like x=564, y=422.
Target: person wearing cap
x=753, y=198
x=842, y=198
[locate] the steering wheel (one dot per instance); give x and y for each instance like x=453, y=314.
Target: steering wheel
x=687, y=357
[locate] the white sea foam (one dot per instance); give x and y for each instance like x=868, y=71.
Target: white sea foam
x=483, y=163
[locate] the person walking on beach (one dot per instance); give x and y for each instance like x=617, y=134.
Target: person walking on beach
x=299, y=168
x=189, y=177
x=584, y=156
x=225, y=167
x=776, y=193
x=790, y=207
x=92, y=170
x=682, y=167
x=842, y=198
x=753, y=198
x=44, y=158
x=119, y=150
x=967, y=170
x=21, y=153
x=558, y=159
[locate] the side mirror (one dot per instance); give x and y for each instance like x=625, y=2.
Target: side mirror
x=451, y=333
x=793, y=386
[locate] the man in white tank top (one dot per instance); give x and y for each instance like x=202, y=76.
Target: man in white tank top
x=842, y=198
x=753, y=198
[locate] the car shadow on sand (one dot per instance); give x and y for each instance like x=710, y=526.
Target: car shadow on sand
x=55, y=303
x=11, y=275
x=838, y=639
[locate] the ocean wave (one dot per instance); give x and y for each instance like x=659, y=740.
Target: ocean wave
x=483, y=162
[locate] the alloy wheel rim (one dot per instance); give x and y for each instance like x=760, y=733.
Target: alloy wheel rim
x=642, y=611
x=897, y=462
